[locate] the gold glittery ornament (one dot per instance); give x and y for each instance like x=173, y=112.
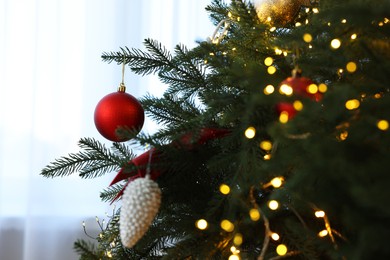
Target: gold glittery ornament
x=279, y=12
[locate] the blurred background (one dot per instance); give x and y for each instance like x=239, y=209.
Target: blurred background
x=51, y=78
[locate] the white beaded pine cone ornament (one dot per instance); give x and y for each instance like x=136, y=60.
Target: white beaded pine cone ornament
x=140, y=203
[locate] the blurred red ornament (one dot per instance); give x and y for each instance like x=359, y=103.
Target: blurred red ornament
x=286, y=107
x=188, y=140
x=118, y=110
x=153, y=156
x=301, y=87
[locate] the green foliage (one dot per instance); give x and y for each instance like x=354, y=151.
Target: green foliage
x=86, y=250
x=330, y=158
x=93, y=161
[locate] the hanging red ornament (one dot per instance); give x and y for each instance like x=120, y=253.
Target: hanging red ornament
x=116, y=111
x=300, y=86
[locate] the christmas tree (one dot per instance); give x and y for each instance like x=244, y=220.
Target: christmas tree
x=273, y=140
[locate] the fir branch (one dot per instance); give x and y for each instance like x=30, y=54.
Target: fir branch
x=111, y=192
x=170, y=110
x=218, y=10
x=142, y=62
x=95, y=147
x=187, y=77
x=86, y=250
x=94, y=161
x=98, y=168
x=194, y=66
x=122, y=150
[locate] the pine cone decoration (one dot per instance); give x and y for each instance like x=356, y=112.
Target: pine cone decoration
x=140, y=204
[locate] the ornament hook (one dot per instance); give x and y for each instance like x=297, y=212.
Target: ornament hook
x=122, y=87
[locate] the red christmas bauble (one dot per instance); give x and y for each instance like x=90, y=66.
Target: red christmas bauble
x=118, y=110
x=300, y=87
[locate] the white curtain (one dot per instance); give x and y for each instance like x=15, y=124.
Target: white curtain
x=51, y=77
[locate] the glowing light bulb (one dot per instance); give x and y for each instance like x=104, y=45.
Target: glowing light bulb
x=268, y=61
x=319, y=214
x=275, y=236
x=344, y=21
x=383, y=125
x=281, y=249
x=227, y=225
x=316, y=10
x=271, y=70
x=278, y=51
x=250, y=132
x=352, y=104
x=267, y=157
x=201, y=224
x=286, y=90
x=272, y=29
x=283, y=117
x=266, y=145
x=353, y=36
x=323, y=233
x=322, y=88
x=335, y=43
x=307, y=37
x=224, y=189
x=254, y=214
x=269, y=89
x=343, y=136
x=298, y=106
x=273, y=204
x=234, y=257
x=312, y=89
x=277, y=182
x=238, y=239
x=351, y=67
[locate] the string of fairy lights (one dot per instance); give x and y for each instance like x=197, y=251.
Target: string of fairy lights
x=266, y=146
x=255, y=213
